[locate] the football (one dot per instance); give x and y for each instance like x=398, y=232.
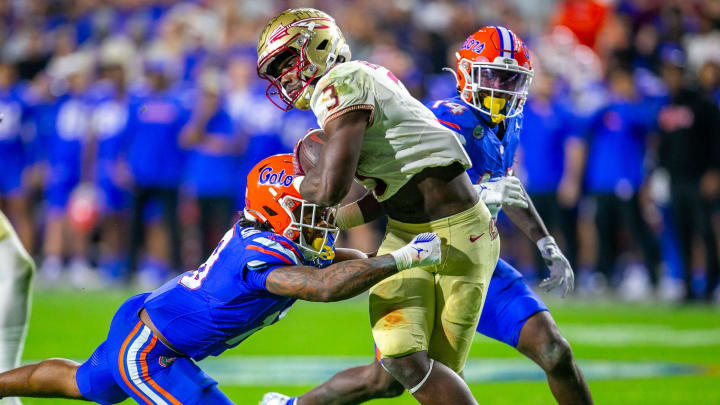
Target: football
x=308, y=152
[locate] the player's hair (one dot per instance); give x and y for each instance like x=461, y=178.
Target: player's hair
x=260, y=226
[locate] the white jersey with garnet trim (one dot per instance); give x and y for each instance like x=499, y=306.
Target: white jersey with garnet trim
x=402, y=138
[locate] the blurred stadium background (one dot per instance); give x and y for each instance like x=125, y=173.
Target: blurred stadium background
x=112, y=191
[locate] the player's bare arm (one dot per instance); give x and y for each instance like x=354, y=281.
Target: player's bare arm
x=330, y=181
x=530, y=223
x=359, y=212
x=347, y=279
x=337, y=282
x=527, y=219
x=570, y=185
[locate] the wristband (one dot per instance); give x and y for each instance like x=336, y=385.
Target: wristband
x=403, y=259
x=349, y=216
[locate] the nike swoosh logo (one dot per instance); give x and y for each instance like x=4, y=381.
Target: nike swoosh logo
x=474, y=238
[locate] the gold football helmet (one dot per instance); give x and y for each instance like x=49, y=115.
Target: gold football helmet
x=315, y=42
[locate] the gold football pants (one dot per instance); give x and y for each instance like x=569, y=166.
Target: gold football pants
x=436, y=308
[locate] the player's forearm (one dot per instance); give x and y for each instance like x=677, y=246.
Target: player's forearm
x=360, y=212
x=527, y=220
x=324, y=187
x=337, y=282
x=574, y=160
x=330, y=181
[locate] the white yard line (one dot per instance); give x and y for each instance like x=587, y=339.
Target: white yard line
x=313, y=370
x=646, y=335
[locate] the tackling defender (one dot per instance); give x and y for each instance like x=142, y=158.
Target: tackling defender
x=487, y=113
x=423, y=320
x=16, y=272
x=258, y=270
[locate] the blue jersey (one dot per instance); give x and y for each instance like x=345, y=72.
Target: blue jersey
x=70, y=132
x=209, y=310
x=617, y=137
x=11, y=106
x=109, y=123
x=211, y=172
x=548, y=126
x=154, y=125
x=490, y=156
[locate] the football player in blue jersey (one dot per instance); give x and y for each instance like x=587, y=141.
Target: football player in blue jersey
x=110, y=136
x=493, y=75
x=260, y=267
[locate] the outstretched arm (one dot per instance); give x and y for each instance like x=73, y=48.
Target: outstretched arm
x=529, y=221
x=331, y=179
x=335, y=283
x=347, y=279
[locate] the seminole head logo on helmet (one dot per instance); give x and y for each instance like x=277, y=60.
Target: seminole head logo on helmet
x=295, y=50
x=271, y=198
x=493, y=72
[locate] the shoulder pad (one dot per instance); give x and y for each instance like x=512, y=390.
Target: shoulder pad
x=270, y=248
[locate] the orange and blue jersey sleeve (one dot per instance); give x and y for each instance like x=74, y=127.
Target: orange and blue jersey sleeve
x=265, y=252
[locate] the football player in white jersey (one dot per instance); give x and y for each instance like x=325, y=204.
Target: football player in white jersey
x=423, y=322
x=16, y=272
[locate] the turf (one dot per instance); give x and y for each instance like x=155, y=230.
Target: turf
x=71, y=324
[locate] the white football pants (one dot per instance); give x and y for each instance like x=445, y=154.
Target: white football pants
x=16, y=273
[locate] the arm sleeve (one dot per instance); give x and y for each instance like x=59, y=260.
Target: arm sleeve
x=346, y=88
x=262, y=256
x=256, y=271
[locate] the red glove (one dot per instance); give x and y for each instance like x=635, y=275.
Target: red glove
x=297, y=167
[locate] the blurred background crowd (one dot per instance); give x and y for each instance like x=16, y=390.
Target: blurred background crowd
x=128, y=127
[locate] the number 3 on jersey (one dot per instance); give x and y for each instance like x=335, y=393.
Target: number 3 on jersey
x=195, y=279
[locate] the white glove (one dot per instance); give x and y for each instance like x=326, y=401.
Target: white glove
x=560, y=269
x=501, y=191
x=274, y=398
x=423, y=250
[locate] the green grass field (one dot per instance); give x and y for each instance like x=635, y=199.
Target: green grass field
x=631, y=353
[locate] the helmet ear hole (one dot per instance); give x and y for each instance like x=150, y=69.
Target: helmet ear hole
x=269, y=211
x=322, y=45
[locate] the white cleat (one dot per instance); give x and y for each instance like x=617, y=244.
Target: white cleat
x=274, y=398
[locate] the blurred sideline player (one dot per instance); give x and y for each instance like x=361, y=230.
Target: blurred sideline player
x=14, y=153
x=110, y=135
x=16, y=270
x=493, y=86
x=67, y=157
x=260, y=267
x=423, y=320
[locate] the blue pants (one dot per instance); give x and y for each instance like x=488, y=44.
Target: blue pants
x=132, y=362
x=508, y=305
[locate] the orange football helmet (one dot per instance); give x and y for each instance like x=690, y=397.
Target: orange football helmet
x=494, y=72
x=271, y=197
